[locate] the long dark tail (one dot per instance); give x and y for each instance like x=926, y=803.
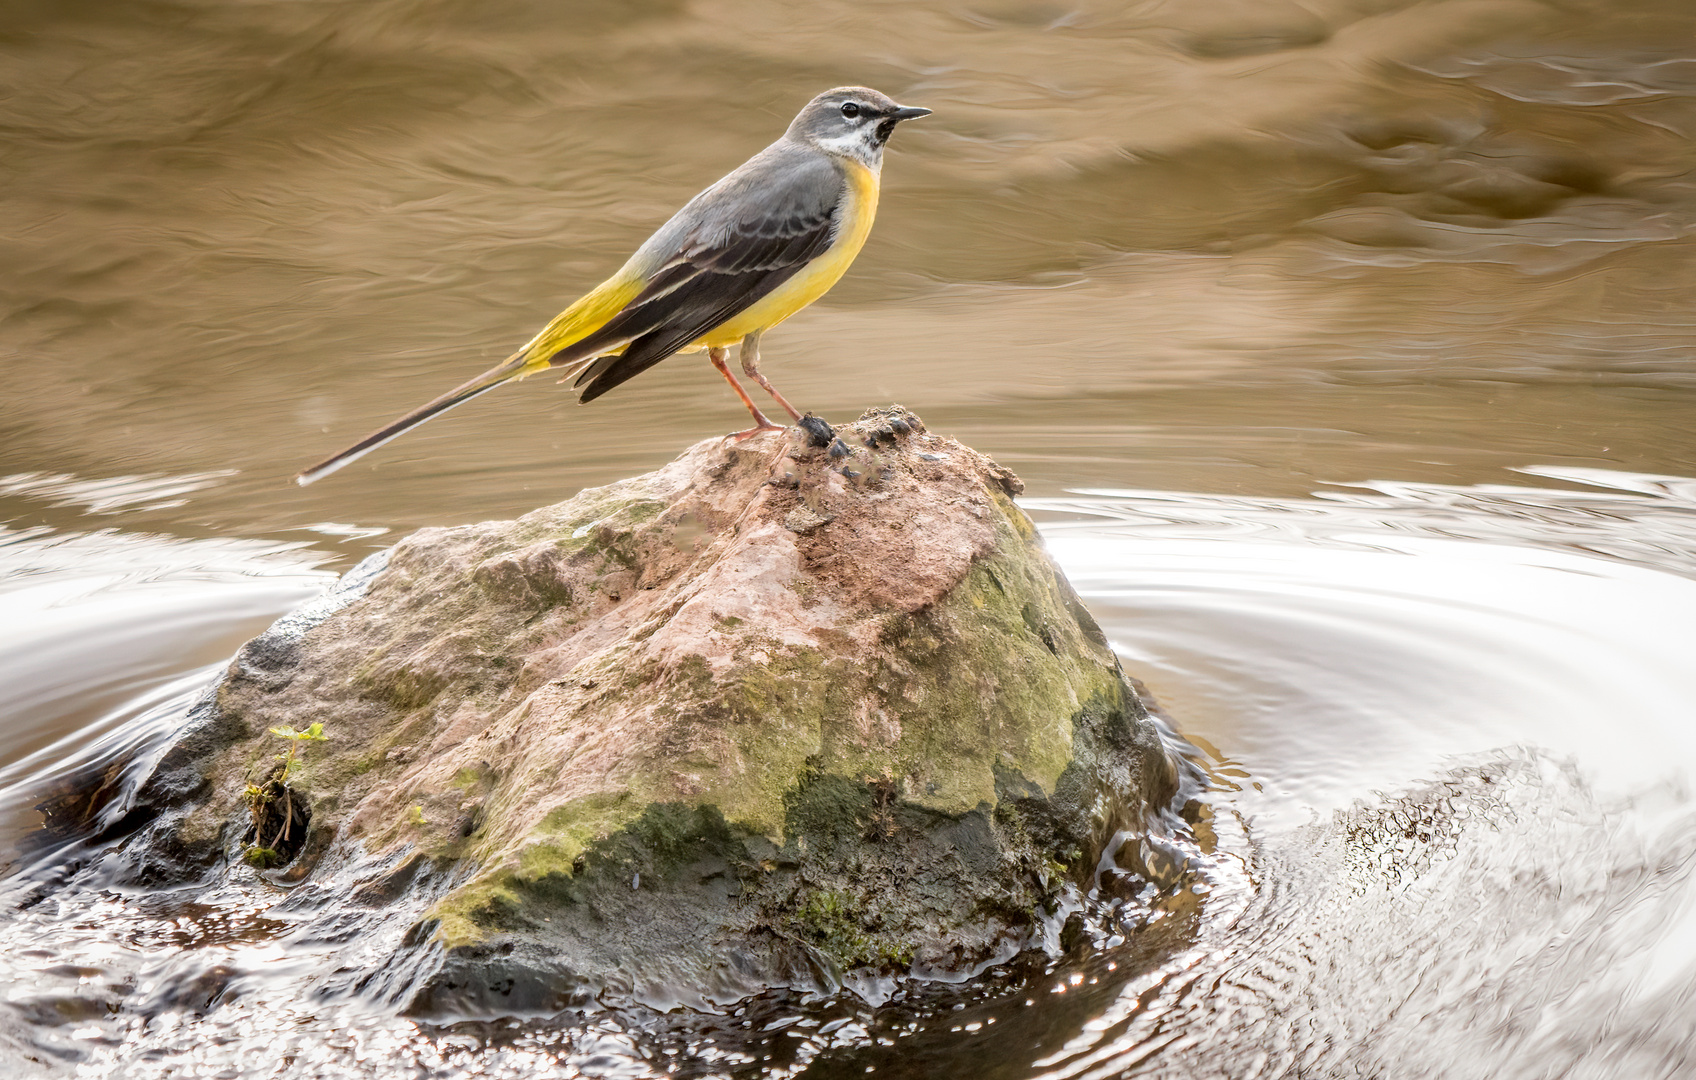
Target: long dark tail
x=514, y=368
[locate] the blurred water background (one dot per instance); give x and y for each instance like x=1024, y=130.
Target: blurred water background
x=1347, y=349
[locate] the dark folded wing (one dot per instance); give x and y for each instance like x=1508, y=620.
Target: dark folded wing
x=742, y=249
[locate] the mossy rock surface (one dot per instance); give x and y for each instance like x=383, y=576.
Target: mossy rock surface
x=773, y=715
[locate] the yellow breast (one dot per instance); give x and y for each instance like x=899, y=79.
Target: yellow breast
x=859, y=208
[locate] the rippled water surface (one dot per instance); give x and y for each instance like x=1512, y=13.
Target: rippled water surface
x=1345, y=348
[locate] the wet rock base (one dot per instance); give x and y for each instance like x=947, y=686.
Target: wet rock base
x=810, y=711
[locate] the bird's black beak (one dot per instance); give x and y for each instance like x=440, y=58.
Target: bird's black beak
x=886, y=126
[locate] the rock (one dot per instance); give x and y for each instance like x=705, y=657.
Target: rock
x=796, y=711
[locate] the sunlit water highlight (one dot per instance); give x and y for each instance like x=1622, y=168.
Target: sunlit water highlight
x=1451, y=833
x=92, y=619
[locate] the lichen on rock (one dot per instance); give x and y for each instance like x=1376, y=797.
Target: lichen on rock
x=774, y=714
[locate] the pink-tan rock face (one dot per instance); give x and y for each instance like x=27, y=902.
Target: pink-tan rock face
x=771, y=715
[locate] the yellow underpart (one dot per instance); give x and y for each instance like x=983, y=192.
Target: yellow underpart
x=609, y=298
x=819, y=275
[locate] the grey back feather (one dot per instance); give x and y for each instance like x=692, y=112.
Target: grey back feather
x=733, y=245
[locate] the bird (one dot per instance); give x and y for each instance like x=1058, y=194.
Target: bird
x=759, y=245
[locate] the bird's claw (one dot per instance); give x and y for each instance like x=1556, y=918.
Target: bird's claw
x=767, y=425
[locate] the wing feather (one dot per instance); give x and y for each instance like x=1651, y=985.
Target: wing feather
x=737, y=251
x=704, y=303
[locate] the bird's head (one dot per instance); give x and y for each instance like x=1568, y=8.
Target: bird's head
x=851, y=121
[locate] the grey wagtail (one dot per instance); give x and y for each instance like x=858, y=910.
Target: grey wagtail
x=742, y=256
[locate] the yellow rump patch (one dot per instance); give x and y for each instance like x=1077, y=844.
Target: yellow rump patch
x=583, y=318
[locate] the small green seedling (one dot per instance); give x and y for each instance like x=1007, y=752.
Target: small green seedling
x=315, y=733
x=261, y=797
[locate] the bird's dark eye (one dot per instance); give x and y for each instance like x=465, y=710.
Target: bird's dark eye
x=850, y=108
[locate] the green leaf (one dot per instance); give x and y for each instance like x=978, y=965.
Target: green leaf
x=314, y=733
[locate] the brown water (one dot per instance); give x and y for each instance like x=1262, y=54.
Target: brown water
x=1212, y=257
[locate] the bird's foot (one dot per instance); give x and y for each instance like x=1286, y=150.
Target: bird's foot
x=763, y=426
